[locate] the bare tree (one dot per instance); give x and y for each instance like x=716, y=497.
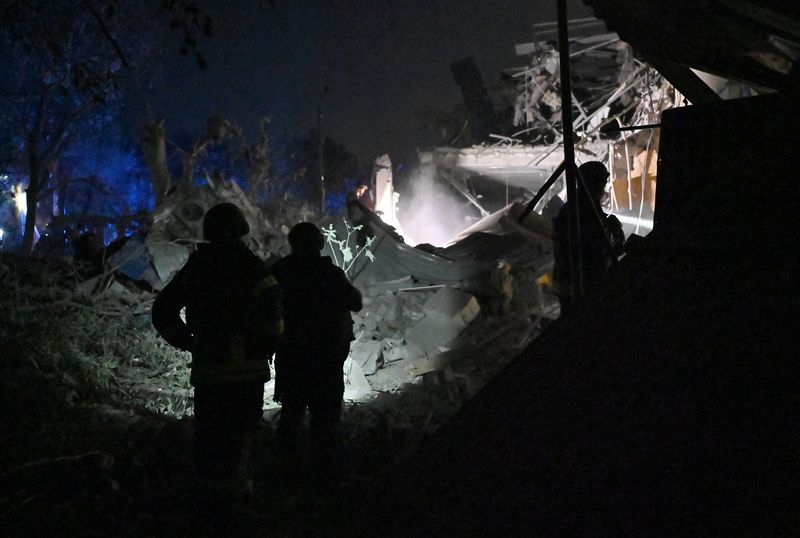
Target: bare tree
x=258, y=160
x=64, y=70
x=64, y=58
x=218, y=129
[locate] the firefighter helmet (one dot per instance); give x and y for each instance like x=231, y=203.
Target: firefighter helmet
x=595, y=175
x=306, y=237
x=224, y=221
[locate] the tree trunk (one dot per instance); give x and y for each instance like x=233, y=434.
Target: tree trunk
x=155, y=153
x=258, y=161
x=31, y=201
x=189, y=160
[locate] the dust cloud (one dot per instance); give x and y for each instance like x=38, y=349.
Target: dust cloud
x=430, y=212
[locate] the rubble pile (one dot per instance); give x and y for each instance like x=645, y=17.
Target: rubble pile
x=426, y=310
x=177, y=226
x=86, y=376
x=150, y=258
x=616, y=101
x=404, y=328
x=437, y=325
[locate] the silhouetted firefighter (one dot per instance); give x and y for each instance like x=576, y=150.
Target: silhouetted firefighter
x=360, y=209
x=233, y=322
x=317, y=303
x=601, y=237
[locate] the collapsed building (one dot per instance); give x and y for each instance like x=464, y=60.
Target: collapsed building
x=418, y=299
x=617, y=101
x=417, y=302
x=617, y=98
x=425, y=304
x=665, y=403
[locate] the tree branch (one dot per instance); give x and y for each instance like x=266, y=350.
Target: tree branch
x=61, y=133
x=105, y=31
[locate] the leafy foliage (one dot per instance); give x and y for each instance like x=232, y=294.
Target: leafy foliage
x=347, y=254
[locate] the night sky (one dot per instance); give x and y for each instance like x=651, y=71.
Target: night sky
x=382, y=60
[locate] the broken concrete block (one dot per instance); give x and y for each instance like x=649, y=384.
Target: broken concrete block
x=414, y=352
x=356, y=386
x=381, y=311
x=447, y=313
x=167, y=258
x=431, y=332
x=364, y=335
x=411, y=304
x=454, y=304
x=394, y=349
x=384, y=311
x=395, y=354
x=367, y=353
x=384, y=328
x=392, y=342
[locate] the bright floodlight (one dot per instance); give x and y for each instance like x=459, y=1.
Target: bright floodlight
x=20, y=199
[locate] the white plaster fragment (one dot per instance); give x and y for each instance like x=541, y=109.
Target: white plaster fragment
x=356, y=386
x=394, y=349
x=367, y=354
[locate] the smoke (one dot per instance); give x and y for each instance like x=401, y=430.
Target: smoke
x=430, y=212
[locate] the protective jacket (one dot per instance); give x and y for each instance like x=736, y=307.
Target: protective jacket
x=317, y=303
x=601, y=244
x=233, y=314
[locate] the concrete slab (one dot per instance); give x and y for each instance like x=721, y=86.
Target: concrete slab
x=453, y=304
x=167, y=258
x=356, y=386
x=367, y=353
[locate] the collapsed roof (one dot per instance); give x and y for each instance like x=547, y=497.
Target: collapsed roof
x=757, y=43
x=614, y=92
x=667, y=406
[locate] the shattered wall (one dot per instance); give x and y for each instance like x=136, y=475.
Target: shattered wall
x=423, y=309
x=614, y=93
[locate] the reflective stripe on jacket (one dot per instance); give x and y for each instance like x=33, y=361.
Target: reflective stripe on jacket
x=233, y=314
